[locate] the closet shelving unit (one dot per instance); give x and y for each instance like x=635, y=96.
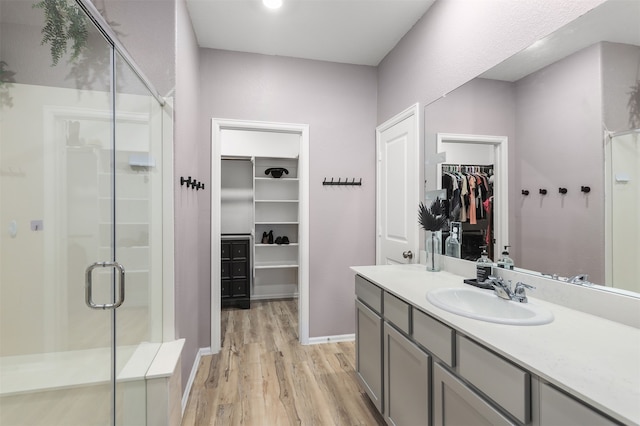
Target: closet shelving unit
x=276, y=208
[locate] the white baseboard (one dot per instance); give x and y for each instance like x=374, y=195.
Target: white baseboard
x=274, y=296
x=332, y=339
x=192, y=376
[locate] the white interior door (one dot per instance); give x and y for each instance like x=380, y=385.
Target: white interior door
x=397, y=193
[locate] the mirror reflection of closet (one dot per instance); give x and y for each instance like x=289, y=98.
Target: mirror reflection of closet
x=469, y=163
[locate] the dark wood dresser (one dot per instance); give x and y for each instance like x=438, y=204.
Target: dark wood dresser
x=236, y=271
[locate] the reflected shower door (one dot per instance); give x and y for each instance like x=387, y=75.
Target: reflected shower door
x=625, y=211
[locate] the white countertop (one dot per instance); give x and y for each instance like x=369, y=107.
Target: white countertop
x=595, y=359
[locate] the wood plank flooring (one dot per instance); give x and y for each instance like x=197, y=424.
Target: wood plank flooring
x=264, y=377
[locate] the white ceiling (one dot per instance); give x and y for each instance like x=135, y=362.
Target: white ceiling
x=348, y=31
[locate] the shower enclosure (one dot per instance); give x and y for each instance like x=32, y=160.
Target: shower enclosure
x=623, y=208
x=81, y=216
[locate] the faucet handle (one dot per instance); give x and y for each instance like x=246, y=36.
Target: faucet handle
x=519, y=293
x=520, y=285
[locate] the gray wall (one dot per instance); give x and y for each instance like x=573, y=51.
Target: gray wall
x=148, y=32
x=620, y=64
x=561, y=111
x=192, y=253
x=339, y=103
x=559, y=139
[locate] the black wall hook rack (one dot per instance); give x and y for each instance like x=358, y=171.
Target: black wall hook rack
x=525, y=192
x=191, y=183
x=562, y=190
x=585, y=189
x=543, y=191
x=342, y=182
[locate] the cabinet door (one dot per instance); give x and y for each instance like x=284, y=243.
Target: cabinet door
x=454, y=404
x=369, y=353
x=557, y=408
x=406, y=381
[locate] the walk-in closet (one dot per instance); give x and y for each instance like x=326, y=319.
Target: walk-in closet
x=260, y=216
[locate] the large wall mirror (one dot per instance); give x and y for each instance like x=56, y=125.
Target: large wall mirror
x=568, y=108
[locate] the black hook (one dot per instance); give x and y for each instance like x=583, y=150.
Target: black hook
x=562, y=190
x=585, y=189
x=525, y=192
x=543, y=191
x=187, y=181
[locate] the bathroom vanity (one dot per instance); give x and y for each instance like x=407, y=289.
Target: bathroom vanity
x=424, y=365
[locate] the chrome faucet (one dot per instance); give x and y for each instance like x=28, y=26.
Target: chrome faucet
x=503, y=289
x=579, y=279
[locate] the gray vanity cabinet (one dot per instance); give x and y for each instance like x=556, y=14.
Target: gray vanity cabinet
x=420, y=371
x=369, y=340
x=369, y=352
x=406, y=380
x=557, y=408
x=455, y=404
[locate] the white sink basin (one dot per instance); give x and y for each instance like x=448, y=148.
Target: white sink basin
x=484, y=305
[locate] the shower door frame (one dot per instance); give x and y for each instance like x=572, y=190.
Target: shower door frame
x=608, y=138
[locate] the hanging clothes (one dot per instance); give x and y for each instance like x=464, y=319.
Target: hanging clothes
x=468, y=187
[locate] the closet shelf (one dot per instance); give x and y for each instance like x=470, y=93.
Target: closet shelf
x=282, y=179
x=273, y=222
x=275, y=265
x=277, y=245
x=276, y=201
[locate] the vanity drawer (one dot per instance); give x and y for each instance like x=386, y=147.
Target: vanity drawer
x=369, y=293
x=397, y=312
x=506, y=384
x=436, y=337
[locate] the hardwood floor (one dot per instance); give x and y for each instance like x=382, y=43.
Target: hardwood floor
x=264, y=377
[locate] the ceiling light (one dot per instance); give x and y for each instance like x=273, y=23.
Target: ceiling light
x=272, y=4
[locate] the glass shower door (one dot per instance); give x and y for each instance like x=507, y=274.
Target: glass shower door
x=137, y=164
x=56, y=131
x=80, y=184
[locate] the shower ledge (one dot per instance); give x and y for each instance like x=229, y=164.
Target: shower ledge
x=63, y=370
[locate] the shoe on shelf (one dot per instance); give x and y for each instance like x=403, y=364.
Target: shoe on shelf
x=285, y=240
x=270, y=237
x=279, y=240
x=265, y=238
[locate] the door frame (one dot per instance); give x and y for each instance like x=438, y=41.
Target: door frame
x=217, y=125
x=413, y=110
x=501, y=171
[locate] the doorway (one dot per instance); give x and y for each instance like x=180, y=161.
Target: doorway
x=269, y=149
x=464, y=149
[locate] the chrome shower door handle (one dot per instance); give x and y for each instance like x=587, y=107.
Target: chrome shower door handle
x=88, y=285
